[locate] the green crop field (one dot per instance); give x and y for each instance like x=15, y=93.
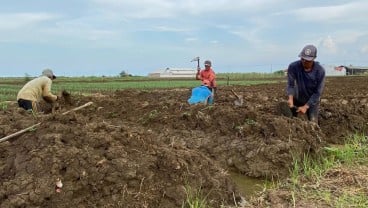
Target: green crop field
x=9, y=87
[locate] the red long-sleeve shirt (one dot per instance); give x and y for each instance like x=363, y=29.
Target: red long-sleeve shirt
x=208, y=74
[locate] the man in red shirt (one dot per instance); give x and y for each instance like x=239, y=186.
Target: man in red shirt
x=207, y=76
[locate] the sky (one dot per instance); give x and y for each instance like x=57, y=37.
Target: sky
x=106, y=37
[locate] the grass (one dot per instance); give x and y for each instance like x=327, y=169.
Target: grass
x=244, y=76
x=310, y=178
x=3, y=106
x=195, y=198
x=354, y=151
x=349, y=200
x=8, y=92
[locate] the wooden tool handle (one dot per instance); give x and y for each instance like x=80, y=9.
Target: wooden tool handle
x=35, y=125
x=236, y=95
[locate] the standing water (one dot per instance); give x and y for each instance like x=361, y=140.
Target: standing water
x=247, y=186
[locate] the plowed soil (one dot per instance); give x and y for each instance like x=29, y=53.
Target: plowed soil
x=149, y=148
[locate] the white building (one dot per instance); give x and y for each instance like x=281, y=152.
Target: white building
x=174, y=73
x=334, y=70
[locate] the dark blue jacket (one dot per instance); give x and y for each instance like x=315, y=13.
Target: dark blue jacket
x=306, y=87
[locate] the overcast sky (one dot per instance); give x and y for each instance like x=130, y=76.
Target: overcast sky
x=105, y=37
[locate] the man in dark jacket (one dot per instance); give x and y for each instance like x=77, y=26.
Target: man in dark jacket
x=305, y=84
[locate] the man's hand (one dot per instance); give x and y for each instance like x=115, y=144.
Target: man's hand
x=49, y=99
x=198, y=75
x=291, y=101
x=303, y=109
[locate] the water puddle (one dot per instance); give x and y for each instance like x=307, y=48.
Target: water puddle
x=247, y=186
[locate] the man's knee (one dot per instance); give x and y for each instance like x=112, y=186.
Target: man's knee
x=313, y=113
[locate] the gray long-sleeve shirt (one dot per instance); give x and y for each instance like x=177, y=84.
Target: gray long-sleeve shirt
x=306, y=87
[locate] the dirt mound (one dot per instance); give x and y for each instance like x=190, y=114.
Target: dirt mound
x=138, y=148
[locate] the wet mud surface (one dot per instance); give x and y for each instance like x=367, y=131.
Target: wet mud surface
x=145, y=148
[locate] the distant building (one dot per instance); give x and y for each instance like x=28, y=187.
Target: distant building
x=356, y=70
x=174, y=73
x=332, y=70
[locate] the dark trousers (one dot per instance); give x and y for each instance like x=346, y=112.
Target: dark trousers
x=312, y=111
x=26, y=104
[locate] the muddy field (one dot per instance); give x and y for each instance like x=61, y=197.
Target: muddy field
x=137, y=148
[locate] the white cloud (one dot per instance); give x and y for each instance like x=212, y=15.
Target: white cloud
x=169, y=29
x=343, y=40
x=364, y=49
x=13, y=21
x=137, y=9
x=252, y=35
x=329, y=44
x=146, y=9
x=349, y=12
x=191, y=39
x=240, y=32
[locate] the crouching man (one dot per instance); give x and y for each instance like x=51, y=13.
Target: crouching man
x=36, y=90
x=305, y=85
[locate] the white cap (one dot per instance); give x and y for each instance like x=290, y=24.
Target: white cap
x=48, y=73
